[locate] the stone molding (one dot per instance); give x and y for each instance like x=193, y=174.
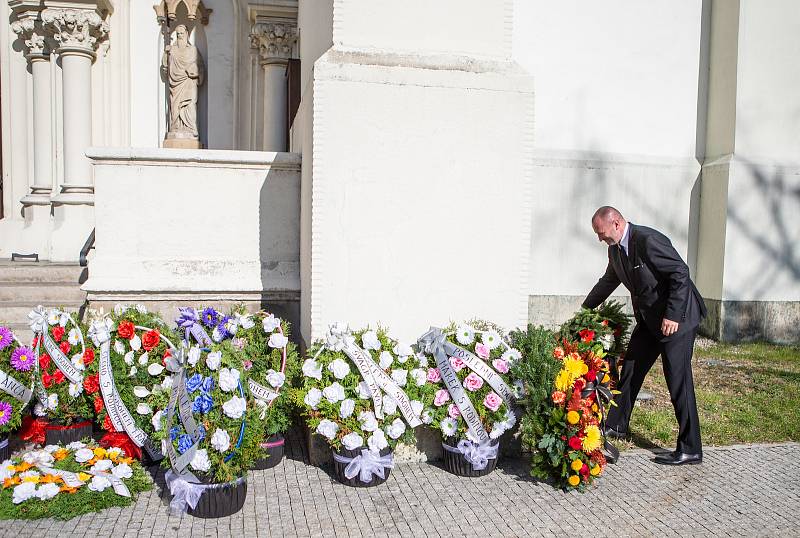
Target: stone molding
x=274, y=40
x=75, y=30
x=33, y=35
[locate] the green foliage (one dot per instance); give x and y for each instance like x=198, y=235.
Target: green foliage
x=608, y=322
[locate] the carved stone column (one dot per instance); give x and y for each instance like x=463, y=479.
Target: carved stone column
x=30, y=31
x=276, y=45
x=77, y=33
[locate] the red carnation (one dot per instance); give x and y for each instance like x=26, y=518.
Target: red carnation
x=91, y=384
x=580, y=384
x=98, y=404
x=88, y=356
x=64, y=347
x=108, y=425
x=150, y=339
x=575, y=442
x=591, y=375
x=584, y=470
x=58, y=377
x=587, y=335
x=126, y=330
x=58, y=333
x=47, y=380
x=35, y=341
x=44, y=361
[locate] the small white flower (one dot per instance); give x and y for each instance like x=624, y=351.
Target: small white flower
x=232, y=325
x=38, y=457
x=416, y=407
x=53, y=316
x=141, y=308
x=519, y=388
x=235, y=407
x=368, y=421
x=402, y=350
x=23, y=492
x=228, y=379
x=156, y=420
x=75, y=389
x=77, y=361
x=123, y=470
x=155, y=369
x=144, y=358
x=51, y=448
x=221, y=441
x=213, y=360
x=419, y=376
x=385, y=360
x=136, y=343
x=313, y=397
x=133, y=371
x=327, y=428
x=607, y=340
x=193, y=356
x=498, y=429
x=270, y=323
x=389, y=405
x=511, y=355
x=39, y=410
x=129, y=358
x=312, y=368
x=491, y=339
x=245, y=321
x=140, y=391
x=377, y=441
x=333, y=392
x=363, y=391
x=143, y=409
x=400, y=377
x=370, y=340
x=47, y=491
x=396, y=428
x=339, y=368
x=7, y=469
x=427, y=416
x=200, y=461
x=422, y=360
x=352, y=441
x=465, y=335
x=276, y=379
x=52, y=401
x=99, y=483
x=119, y=347
x=346, y=408
x=74, y=336
x=278, y=341
x=76, y=445
x=166, y=384
x=448, y=426
x=119, y=309
x=102, y=465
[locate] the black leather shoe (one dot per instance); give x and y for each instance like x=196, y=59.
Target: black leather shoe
x=679, y=458
x=614, y=433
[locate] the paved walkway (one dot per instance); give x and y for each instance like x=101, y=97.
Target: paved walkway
x=738, y=491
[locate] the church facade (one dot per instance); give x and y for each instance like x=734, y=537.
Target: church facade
x=408, y=163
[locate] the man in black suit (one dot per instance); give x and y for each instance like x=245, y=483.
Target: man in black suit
x=668, y=309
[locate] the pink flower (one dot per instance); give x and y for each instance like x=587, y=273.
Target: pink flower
x=500, y=365
x=482, y=351
x=441, y=397
x=248, y=364
x=473, y=382
x=457, y=364
x=453, y=411
x=492, y=401
x=433, y=375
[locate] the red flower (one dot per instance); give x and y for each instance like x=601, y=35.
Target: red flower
x=584, y=470
x=575, y=443
x=47, y=380
x=605, y=323
x=58, y=333
x=558, y=353
x=108, y=425
x=44, y=361
x=64, y=347
x=580, y=384
x=586, y=335
x=167, y=355
x=88, y=356
x=91, y=384
x=35, y=341
x=150, y=339
x=618, y=331
x=591, y=375
x=58, y=377
x=558, y=397
x=126, y=329
x=98, y=404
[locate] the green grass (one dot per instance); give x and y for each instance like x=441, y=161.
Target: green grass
x=747, y=393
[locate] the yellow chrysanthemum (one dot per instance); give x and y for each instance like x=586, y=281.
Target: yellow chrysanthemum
x=596, y=470
x=33, y=478
x=574, y=480
x=577, y=465
x=83, y=477
x=584, y=368
x=592, y=439
x=606, y=379
x=575, y=366
x=573, y=417
x=99, y=452
x=564, y=381
x=595, y=408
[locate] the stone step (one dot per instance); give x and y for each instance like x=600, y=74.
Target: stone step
x=41, y=292
x=21, y=330
x=16, y=312
x=67, y=273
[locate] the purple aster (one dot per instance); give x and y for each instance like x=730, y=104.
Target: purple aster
x=210, y=317
x=187, y=317
x=221, y=327
x=5, y=412
x=6, y=337
x=22, y=359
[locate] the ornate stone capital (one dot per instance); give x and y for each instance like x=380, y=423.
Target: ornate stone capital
x=76, y=29
x=32, y=35
x=274, y=40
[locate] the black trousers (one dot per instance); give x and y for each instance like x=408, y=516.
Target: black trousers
x=676, y=355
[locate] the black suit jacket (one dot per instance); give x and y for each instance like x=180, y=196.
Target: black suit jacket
x=657, y=278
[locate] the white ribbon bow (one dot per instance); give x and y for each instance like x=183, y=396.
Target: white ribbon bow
x=100, y=331
x=368, y=463
x=37, y=319
x=338, y=337
x=478, y=454
x=186, y=494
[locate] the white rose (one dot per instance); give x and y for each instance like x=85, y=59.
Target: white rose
x=166, y=384
x=136, y=342
x=23, y=492
x=245, y=322
x=213, y=360
x=370, y=340
x=102, y=465
x=313, y=397
x=422, y=360
x=141, y=392
x=221, y=441
x=419, y=376
x=278, y=341
x=312, y=368
x=51, y=448
x=352, y=441
x=193, y=356
x=155, y=369
x=363, y=391
x=228, y=379
x=155, y=420
x=217, y=335
x=119, y=347
x=276, y=379
x=141, y=308
x=333, y=392
x=133, y=371
x=339, y=368
x=129, y=358
x=123, y=470
x=200, y=461
x=368, y=421
x=270, y=323
x=75, y=390
x=346, y=408
x=327, y=428
x=389, y=405
x=76, y=445
x=400, y=377
x=143, y=409
x=396, y=428
x=416, y=407
x=47, y=491
x=402, y=350
x=427, y=416
x=235, y=407
x=385, y=360
x=144, y=359
x=377, y=441
x=99, y=483
x=83, y=455
x=448, y=426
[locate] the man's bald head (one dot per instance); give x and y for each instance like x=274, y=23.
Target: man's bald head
x=608, y=224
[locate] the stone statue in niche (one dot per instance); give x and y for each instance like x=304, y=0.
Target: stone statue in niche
x=182, y=67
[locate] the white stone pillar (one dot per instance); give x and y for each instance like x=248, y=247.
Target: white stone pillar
x=276, y=42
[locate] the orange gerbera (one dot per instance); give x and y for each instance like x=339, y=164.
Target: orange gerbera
x=22, y=467
x=60, y=454
x=50, y=479
x=12, y=481
x=66, y=489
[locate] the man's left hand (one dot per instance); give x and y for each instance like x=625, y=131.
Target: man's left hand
x=669, y=327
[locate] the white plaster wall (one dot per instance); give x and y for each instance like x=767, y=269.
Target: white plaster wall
x=145, y=83
x=222, y=72
x=182, y=220
x=463, y=27
x=315, y=24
